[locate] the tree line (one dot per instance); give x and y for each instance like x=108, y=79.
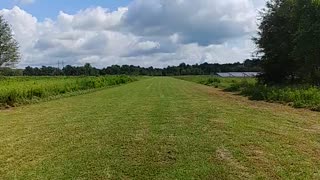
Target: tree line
x=183, y=69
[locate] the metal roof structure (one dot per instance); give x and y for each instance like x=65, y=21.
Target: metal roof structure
x=238, y=74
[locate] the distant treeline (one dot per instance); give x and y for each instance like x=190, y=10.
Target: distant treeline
x=183, y=69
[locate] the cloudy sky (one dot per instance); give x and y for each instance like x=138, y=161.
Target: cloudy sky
x=139, y=32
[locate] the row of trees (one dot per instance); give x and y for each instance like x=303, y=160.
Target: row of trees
x=182, y=69
x=289, y=42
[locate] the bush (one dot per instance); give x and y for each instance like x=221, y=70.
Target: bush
x=211, y=82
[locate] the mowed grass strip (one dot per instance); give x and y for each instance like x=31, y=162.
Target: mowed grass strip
x=159, y=128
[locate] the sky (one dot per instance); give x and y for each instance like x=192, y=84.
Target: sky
x=147, y=33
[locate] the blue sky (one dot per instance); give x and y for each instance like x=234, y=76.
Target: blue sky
x=50, y=8
x=147, y=33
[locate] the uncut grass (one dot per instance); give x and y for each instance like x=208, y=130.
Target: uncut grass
x=159, y=128
x=216, y=81
x=22, y=90
x=296, y=96
x=299, y=97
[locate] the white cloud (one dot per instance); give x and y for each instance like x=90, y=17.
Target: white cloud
x=204, y=21
x=148, y=33
x=92, y=19
x=24, y=26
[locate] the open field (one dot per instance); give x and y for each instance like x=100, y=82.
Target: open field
x=159, y=128
x=22, y=90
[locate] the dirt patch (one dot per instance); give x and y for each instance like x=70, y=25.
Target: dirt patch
x=226, y=156
x=260, y=159
x=315, y=128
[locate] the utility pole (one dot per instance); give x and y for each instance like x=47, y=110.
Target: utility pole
x=62, y=67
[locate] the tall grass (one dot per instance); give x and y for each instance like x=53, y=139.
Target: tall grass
x=21, y=90
x=216, y=81
x=296, y=96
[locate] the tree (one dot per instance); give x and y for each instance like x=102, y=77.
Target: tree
x=307, y=41
x=6, y=71
x=289, y=41
x=274, y=41
x=9, y=49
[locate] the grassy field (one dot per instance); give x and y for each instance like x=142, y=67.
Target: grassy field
x=159, y=128
x=23, y=90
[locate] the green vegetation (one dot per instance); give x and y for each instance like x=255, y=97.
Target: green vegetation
x=217, y=82
x=6, y=71
x=9, y=48
x=22, y=90
x=296, y=96
x=182, y=69
x=289, y=42
x=158, y=128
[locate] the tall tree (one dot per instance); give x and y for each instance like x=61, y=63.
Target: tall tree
x=274, y=41
x=9, y=49
x=289, y=41
x=307, y=41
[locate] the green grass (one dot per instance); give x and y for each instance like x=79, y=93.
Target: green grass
x=23, y=90
x=159, y=128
